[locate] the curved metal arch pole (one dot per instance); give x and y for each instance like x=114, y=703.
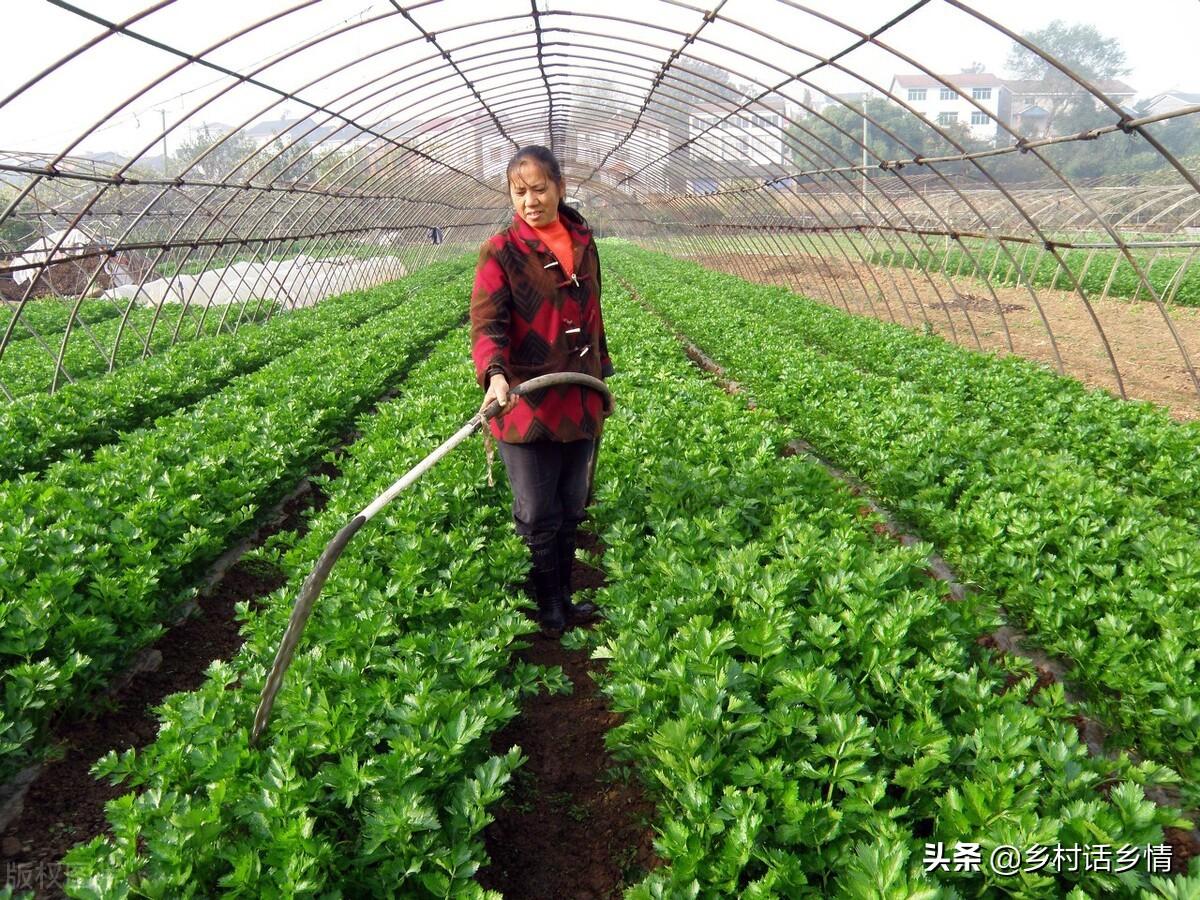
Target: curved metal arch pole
x=398, y=219
x=122, y=29
x=17, y=317
x=866, y=290
x=115, y=181
x=733, y=256
x=1086, y=85
x=431, y=38
x=232, y=186
x=998, y=240
x=1177, y=279
x=186, y=302
x=200, y=60
x=801, y=79
x=825, y=245
x=805, y=239
x=735, y=170
x=801, y=127
x=26, y=296
x=113, y=28
x=238, y=78
x=80, y=50
x=874, y=39
x=298, y=201
x=404, y=82
x=1186, y=198
x=531, y=110
x=709, y=16
x=280, y=153
x=221, y=324
x=537, y=32
x=1054, y=171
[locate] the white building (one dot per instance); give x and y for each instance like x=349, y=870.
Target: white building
x=755, y=135
x=1169, y=102
x=641, y=157
x=952, y=105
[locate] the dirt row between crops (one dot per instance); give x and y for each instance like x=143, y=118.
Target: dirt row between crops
x=1148, y=358
x=64, y=806
x=572, y=825
x=568, y=827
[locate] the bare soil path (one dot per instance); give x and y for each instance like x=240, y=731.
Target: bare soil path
x=1148, y=359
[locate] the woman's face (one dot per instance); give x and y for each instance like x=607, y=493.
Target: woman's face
x=534, y=195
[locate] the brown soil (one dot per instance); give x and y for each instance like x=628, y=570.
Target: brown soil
x=65, y=804
x=1149, y=361
x=1184, y=846
x=570, y=826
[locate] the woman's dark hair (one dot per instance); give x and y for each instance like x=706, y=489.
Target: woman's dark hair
x=545, y=158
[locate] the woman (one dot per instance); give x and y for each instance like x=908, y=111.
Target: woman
x=535, y=309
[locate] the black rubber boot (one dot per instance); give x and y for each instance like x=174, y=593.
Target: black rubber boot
x=547, y=587
x=575, y=612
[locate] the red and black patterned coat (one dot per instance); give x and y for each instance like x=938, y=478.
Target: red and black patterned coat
x=527, y=319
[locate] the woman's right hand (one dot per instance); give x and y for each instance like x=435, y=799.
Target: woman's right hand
x=498, y=391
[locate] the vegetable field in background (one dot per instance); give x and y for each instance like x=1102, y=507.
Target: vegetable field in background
x=803, y=702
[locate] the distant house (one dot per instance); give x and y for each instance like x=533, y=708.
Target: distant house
x=1032, y=121
x=1035, y=102
x=1025, y=106
x=1169, y=102
x=266, y=132
x=978, y=100
x=755, y=135
x=641, y=158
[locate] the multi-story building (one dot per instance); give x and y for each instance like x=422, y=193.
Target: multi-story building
x=978, y=100
x=1027, y=107
x=754, y=136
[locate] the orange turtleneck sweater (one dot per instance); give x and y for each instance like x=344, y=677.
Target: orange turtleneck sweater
x=558, y=239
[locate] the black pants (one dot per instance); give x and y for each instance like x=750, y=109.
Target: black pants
x=549, y=481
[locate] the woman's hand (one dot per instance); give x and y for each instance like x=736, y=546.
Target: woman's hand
x=498, y=391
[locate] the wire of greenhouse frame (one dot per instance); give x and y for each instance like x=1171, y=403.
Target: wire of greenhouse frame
x=951, y=186
x=803, y=128
x=551, y=127
x=933, y=283
x=710, y=16
x=432, y=38
x=873, y=38
x=121, y=28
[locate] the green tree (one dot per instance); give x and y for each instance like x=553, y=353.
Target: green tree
x=1080, y=49
x=16, y=232
x=227, y=152
x=291, y=163
x=891, y=133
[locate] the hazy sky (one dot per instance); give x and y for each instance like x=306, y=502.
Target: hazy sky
x=1159, y=37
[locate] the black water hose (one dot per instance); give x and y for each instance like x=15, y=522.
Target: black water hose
x=316, y=579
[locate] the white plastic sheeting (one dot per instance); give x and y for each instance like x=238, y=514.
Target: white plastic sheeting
x=301, y=281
